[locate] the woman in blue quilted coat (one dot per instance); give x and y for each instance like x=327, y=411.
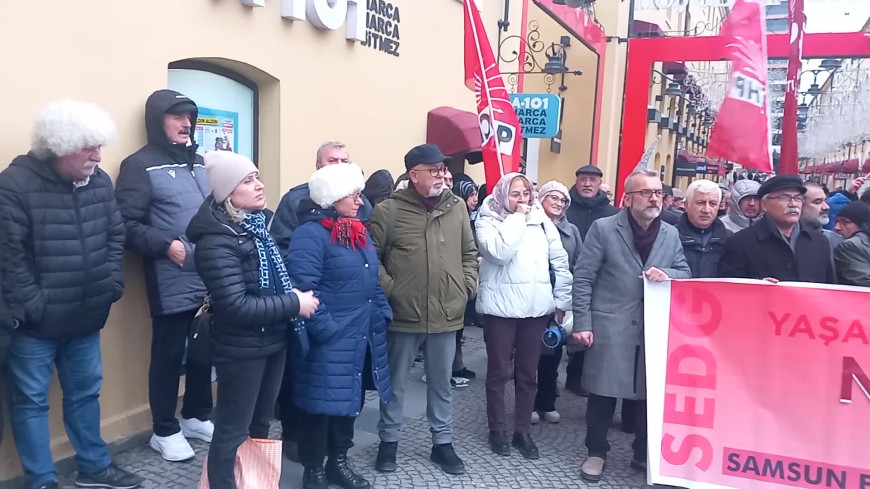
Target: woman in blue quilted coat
x=332, y=254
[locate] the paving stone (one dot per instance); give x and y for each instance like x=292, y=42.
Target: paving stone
x=561, y=447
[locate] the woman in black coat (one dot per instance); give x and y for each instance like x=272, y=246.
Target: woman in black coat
x=252, y=305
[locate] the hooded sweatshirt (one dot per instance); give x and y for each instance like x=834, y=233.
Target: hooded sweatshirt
x=736, y=221
x=159, y=189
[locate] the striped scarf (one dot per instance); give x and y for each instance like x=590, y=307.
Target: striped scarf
x=268, y=253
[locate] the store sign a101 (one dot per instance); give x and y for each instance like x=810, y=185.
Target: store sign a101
x=538, y=113
x=325, y=14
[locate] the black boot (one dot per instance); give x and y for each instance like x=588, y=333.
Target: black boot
x=498, y=443
x=314, y=478
x=445, y=456
x=339, y=472
x=386, y=461
x=523, y=442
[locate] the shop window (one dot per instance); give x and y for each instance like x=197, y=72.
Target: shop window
x=227, y=106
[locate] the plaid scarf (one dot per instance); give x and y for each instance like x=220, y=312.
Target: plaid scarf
x=268, y=253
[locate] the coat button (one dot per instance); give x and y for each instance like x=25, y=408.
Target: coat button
x=370, y=300
x=367, y=265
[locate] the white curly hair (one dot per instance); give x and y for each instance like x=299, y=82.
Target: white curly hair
x=67, y=126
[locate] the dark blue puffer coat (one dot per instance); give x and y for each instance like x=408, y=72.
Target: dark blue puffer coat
x=353, y=314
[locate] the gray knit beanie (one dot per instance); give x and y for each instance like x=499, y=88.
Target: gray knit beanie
x=225, y=171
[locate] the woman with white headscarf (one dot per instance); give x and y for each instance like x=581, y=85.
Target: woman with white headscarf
x=520, y=246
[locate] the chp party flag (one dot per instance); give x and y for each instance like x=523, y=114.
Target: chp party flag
x=741, y=132
x=500, y=130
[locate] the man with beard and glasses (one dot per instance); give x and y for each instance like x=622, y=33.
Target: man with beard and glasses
x=777, y=248
x=160, y=188
x=608, y=310
x=428, y=269
x=814, y=214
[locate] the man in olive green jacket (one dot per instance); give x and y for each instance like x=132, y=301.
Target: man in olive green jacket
x=428, y=271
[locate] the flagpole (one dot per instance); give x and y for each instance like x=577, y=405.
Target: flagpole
x=788, y=163
x=484, y=79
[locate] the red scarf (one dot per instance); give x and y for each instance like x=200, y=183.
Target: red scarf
x=351, y=233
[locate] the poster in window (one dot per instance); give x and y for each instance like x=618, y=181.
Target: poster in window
x=217, y=130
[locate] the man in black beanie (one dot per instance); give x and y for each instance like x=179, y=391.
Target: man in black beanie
x=776, y=247
x=852, y=257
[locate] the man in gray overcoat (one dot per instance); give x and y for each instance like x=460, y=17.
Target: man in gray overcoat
x=608, y=310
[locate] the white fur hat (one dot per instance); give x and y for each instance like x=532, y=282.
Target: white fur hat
x=335, y=182
x=65, y=127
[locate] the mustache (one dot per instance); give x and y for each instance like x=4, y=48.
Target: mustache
x=792, y=211
x=185, y=131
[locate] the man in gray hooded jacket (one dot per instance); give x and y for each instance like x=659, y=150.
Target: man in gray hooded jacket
x=745, y=206
x=159, y=189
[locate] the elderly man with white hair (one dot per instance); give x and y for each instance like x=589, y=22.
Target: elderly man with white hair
x=62, y=244
x=703, y=235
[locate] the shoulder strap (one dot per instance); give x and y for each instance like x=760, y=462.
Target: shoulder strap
x=391, y=229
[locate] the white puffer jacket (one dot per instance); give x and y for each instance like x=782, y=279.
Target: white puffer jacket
x=518, y=253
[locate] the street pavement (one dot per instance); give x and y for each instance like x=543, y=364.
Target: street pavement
x=561, y=446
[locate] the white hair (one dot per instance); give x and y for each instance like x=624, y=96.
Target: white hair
x=646, y=172
x=328, y=144
x=703, y=186
x=65, y=127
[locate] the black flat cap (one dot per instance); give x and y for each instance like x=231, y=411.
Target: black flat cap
x=781, y=182
x=588, y=170
x=425, y=154
x=667, y=190
x=185, y=106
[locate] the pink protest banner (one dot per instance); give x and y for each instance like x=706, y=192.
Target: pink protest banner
x=755, y=385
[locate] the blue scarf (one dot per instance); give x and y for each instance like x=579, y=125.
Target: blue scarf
x=269, y=255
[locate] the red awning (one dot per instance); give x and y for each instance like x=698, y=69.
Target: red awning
x=850, y=166
x=454, y=131
x=685, y=155
x=865, y=168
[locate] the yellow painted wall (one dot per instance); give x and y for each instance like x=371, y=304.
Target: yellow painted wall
x=314, y=86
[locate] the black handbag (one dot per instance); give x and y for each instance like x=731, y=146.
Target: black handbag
x=199, y=335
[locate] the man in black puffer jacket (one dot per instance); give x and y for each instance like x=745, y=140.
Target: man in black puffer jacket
x=62, y=244
x=160, y=188
x=588, y=202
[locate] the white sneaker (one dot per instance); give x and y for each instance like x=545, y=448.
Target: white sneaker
x=552, y=416
x=194, y=428
x=173, y=448
x=536, y=418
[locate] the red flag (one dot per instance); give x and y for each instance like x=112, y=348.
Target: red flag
x=741, y=133
x=797, y=20
x=500, y=129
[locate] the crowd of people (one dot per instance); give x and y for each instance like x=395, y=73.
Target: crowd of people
x=339, y=290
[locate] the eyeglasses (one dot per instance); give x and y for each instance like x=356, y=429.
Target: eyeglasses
x=787, y=198
x=647, y=193
x=437, y=171
x=556, y=198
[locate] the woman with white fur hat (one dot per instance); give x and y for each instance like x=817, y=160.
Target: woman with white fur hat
x=252, y=306
x=332, y=254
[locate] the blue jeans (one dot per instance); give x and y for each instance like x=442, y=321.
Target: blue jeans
x=80, y=371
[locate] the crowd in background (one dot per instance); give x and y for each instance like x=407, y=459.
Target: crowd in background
x=352, y=280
